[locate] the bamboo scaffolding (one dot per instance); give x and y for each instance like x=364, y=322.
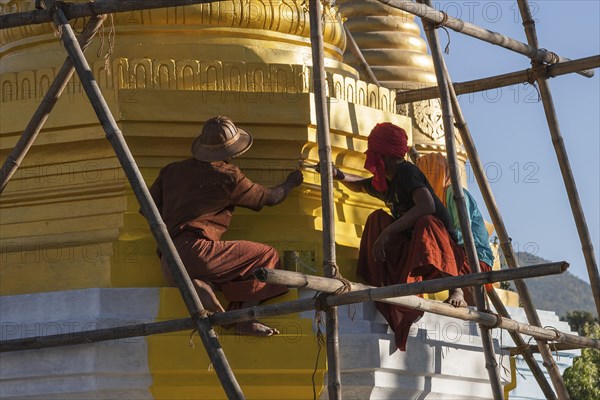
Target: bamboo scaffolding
x=115, y=137
x=14, y=159
x=391, y=294
x=501, y=230
x=364, y=65
x=563, y=162
x=526, y=352
x=438, y=19
x=498, y=81
x=295, y=279
x=498, y=222
x=469, y=244
x=334, y=380
x=80, y=10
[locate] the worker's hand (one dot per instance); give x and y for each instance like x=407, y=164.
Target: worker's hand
x=295, y=178
x=380, y=245
x=335, y=171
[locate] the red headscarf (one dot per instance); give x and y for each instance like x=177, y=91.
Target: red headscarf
x=386, y=139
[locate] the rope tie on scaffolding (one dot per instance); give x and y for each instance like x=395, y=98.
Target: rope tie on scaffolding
x=441, y=25
x=196, y=317
x=345, y=288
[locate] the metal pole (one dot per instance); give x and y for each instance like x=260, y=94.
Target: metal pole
x=439, y=18
x=488, y=348
x=14, y=159
x=334, y=381
x=498, y=81
x=115, y=137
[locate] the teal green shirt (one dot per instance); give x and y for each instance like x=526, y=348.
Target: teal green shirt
x=480, y=235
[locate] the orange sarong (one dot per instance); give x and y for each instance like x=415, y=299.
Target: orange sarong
x=428, y=253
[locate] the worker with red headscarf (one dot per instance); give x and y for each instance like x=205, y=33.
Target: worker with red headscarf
x=416, y=242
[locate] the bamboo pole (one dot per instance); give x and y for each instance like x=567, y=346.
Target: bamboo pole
x=321, y=284
x=517, y=351
x=88, y=9
x=498, y=81
x=14, y=159
x=159, y=230
x=438, y=18
x=526, y=351
x=572, y=194
x=96, y=335
x=505, y=241
x=334, y=380
x=391, y=294
x=365, y=293
x=364, y=65
x=563, y=162
x=442, y=78
x=501, y=230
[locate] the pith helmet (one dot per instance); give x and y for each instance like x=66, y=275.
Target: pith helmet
x=220, y=139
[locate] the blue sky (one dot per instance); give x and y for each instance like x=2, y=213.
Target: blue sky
x=510, y=129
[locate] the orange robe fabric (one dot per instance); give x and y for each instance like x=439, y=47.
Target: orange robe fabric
x=196, y=201
x=428, y=253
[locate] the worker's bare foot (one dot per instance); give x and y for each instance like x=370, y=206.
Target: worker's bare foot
x=254, y=328
x=456, y=298
x=207, y=296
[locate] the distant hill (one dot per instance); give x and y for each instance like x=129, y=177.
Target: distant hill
x=558, y=293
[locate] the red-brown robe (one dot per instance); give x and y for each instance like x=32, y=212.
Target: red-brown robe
x=428, y=253
x=196, y=200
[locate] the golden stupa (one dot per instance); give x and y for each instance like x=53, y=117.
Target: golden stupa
x=69, y=220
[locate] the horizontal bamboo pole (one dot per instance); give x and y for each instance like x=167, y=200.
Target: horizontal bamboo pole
x=96, y=335
x=439, y=18
x=321, y=284
x=498, y=81
x=87, y=9
x=290, y=307
x=388, y=294
x=533, y=348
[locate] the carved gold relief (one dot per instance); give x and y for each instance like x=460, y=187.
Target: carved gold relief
x=207, y=75
x=428, y=117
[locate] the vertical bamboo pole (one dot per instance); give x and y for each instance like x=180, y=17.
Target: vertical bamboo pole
x=334, y=385
x=18, y=153
x=527, y=352
x=469, y=243
x=159, y=230
x=505, y=243
x=563, y=161
x=473, y=155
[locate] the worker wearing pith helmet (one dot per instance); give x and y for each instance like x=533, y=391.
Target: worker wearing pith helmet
x=196, y=198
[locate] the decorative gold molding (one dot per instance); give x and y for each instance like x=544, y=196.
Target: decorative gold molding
x=207, y=75
x=283, y=16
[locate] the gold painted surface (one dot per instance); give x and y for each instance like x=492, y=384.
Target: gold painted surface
x=265, y=21
x=69, y=219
